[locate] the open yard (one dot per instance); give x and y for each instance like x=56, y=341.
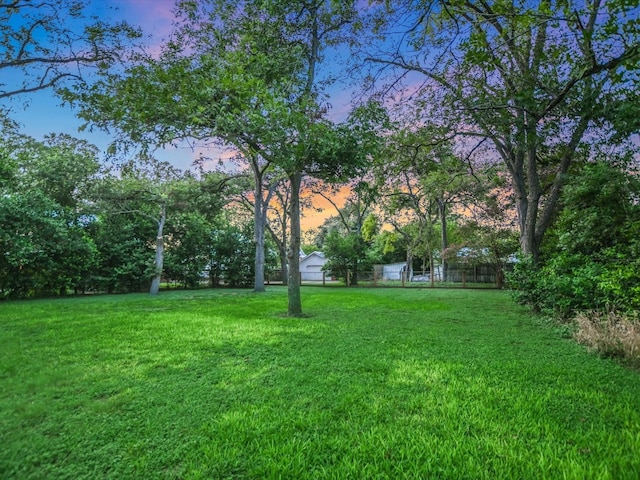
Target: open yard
x=376, y=383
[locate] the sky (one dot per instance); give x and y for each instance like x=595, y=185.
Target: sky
x=41, y=112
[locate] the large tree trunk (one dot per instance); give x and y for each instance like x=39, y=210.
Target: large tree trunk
x=295, y=302
x=159, y=261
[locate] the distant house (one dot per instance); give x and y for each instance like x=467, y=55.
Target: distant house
x=311, y=266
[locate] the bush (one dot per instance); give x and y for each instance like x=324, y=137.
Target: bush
x=610, y=334
x=524, y=283
x=565, y=285
x=590, y=258
x=620, y=281
x=233, y=256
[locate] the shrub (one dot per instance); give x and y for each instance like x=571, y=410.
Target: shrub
x=525, y=284
x=610, y=334
x=620, y=281
x=590, y=257
x=564, y=286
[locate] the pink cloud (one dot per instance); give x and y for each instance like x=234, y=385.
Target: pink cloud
x=155, y=17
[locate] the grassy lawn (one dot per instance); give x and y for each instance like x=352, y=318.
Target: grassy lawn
x=377, y=383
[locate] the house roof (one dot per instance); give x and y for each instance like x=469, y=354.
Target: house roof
x=316, y=253
x=397, y=264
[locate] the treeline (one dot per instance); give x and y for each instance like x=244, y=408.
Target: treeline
x=479, y=129
x=68, y=225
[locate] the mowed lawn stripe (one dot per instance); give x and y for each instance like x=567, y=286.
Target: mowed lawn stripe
x=375, y=383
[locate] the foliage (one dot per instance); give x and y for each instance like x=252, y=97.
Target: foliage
x=125, y=254
x=45, y=245
x=544, y=83
x=492, y=244
x=591, y=259
x=347, y=237
x=346, y=255
x=154, y=197
x=41, y=253
x=388, y=247
x=69, y=226
x=63, y=167
x=420, y=180
x=189, y=252
x=232, y=255
x=384, y=383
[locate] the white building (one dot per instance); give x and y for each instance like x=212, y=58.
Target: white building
x=394, y=271
x=311, y=266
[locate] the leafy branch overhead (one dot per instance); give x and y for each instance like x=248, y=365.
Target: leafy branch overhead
x=45, y=44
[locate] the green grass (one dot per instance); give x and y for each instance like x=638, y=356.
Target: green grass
x=398, y=283
x=376, y=383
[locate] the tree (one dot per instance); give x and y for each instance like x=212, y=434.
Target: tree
x=155, y=191
x=269, y=203
x=44, y=239
x=42, y=253
x=591, y=254
x=354, y=223
x=63, y=167
x=305, y=142
x=217, y=81
x=278, y=227
x=489, y=224
x=420, y=179
x=205, y=85
x=343, y=253
x=536, y=79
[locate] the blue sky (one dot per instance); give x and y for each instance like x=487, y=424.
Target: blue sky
x=41, y=112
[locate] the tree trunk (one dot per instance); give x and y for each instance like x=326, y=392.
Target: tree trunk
x=432, y=269
x=159, y=261
x=281, y=244
x=259, y=218
x=293, y=255
x=284, y=270
x=442, y=209
x=354, y=272
x=408, y=265
x=258, y=285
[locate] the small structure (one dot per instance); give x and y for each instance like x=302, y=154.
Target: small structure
x=311, y=267
x=395, y=271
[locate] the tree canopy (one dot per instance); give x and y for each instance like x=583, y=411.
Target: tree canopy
x=537, y=79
